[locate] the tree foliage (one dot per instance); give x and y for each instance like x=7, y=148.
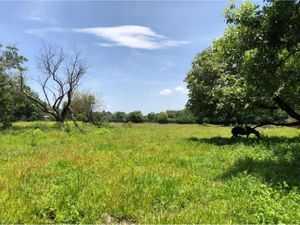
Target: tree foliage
x=13, y=104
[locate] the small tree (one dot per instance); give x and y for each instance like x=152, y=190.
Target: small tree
x=59, y=78
x=83, y=104
x=163, y=118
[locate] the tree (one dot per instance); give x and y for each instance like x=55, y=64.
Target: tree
x=5, y=101
x=10, y=61
x=267, y=40
x=84, y=104
x=163, y=117
x=120, y=117
x=185, y=117
x=102, y=117
x=254, y=68
x=152, y=117
x=136, y=117
x=59, y=79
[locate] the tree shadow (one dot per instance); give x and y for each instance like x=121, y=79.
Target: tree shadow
x=273, y=172
x=282, y=166
x=266, y=141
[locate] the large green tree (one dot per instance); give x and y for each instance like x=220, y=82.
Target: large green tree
x=10, y=61
x=254, y=67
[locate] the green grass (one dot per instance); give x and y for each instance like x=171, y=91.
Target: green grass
x=148, y=173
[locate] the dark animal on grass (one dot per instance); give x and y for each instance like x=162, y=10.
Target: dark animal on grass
x=244, y=131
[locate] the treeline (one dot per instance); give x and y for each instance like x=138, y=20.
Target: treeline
x=184, y=116
x=170, y=116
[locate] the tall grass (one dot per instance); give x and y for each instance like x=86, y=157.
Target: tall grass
x=148, y=173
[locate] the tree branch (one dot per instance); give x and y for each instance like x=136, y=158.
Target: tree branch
x=282, y=105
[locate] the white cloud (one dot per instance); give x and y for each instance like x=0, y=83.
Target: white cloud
x=131, y=36
x=181, y=90
x=166, y=92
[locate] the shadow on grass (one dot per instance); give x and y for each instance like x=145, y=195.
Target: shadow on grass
x=267, y=141
x=272, y=171
x=283, y=165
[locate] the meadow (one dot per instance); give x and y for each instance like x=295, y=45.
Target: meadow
x=148, y=173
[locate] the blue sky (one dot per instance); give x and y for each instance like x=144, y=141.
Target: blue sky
x=139, y=52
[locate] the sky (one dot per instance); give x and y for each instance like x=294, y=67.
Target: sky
x=138, y=52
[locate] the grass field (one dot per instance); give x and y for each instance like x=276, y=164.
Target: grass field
x=148, y=173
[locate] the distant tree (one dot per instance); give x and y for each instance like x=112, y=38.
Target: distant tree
x=59, y=79
x=185, y=117
x=172, y=115
x=136, y=117
x=83, y=105
x=163, y=117
x=152, y=117
x=120, y=117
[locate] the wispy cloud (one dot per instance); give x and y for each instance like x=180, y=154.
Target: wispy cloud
x=104, y=45
x=41, y=32
x=166, y=92
x=40, y=12
x=131, y=36
x=181, y=90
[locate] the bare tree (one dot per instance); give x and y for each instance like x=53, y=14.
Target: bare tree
x=59, y=78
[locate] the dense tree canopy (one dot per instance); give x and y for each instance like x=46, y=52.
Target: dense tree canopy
x=253, y=71
x=13, y=104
